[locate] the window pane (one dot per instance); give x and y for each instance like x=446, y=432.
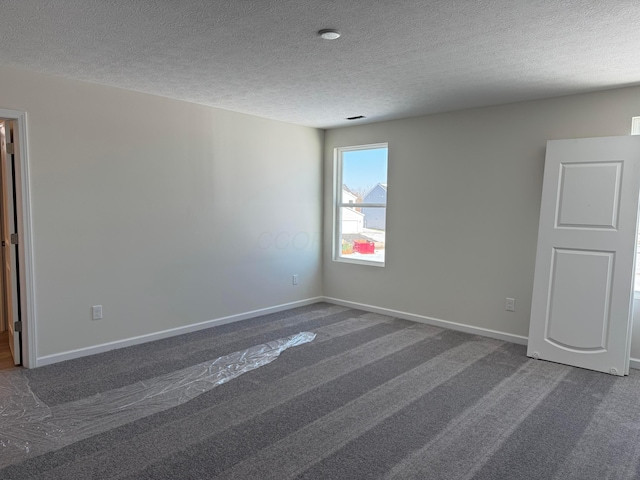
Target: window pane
x=364, y=176
x=363, y=233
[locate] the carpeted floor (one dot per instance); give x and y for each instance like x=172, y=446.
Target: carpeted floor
x=371, y=397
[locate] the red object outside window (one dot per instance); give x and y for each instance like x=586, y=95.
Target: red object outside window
x=363, y=246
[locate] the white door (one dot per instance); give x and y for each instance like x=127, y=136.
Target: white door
x=9, y=258
x=583, y=285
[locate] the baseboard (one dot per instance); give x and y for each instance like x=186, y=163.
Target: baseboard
x=485, y=332
x=127, y=342
x=105, y=347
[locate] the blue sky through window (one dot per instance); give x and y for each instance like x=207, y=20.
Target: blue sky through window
x=363, y=169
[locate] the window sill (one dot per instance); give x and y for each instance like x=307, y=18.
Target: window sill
x=361, y=262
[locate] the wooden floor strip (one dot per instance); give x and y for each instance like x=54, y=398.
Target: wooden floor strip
x=6, y=360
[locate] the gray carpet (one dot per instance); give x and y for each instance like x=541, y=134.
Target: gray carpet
x=371, y=397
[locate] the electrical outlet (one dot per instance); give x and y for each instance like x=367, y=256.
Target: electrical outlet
x=294, y=279
x=96, y=312
x=511, y=305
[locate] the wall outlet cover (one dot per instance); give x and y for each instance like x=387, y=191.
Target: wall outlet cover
x=96, y=312
x=511, y=304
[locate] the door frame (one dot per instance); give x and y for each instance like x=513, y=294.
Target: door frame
x=25, y=254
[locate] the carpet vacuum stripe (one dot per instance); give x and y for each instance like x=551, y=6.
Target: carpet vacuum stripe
x=223, y=415
x=375, y=452
x=134, y=371
x=70, y=375
x=459, y=450
x=613, y=433
x=236, y=396
x=372, y=397
x=222, y=451
x=557, y=424
x=300, y=450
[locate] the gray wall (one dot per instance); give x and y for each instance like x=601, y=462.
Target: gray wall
x=165, y=212
x=463, y=206
x=169, y=213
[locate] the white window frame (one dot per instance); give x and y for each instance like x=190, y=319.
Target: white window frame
x=635, y=130
x=337, y=210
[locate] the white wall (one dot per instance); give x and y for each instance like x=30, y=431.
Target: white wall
x=169, y=213
x=165, y=212
x=463, y=206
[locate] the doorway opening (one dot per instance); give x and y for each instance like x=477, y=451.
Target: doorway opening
x=10, y=311
x=17, y=345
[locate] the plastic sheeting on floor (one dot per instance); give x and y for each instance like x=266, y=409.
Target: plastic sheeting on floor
x=28, y=427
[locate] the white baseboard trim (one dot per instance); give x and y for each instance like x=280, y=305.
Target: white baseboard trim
x=172, y=332
x=485, y=332
x=127, y=342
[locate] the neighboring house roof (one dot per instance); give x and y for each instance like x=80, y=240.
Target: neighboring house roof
x=349, y=195
x=381, y=185
x=347, y=189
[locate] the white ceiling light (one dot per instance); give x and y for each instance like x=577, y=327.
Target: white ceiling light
x=329, y=34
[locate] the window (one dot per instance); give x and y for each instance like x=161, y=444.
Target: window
x=361, y=204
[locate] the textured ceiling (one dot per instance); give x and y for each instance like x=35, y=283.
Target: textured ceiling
x=396, y=58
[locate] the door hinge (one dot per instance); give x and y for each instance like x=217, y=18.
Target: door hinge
x=10, y=149
x=14, y=239
x=17, y=327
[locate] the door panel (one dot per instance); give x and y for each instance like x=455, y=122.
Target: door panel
x=578, y=315
x=583, y=285
x=580, y=185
